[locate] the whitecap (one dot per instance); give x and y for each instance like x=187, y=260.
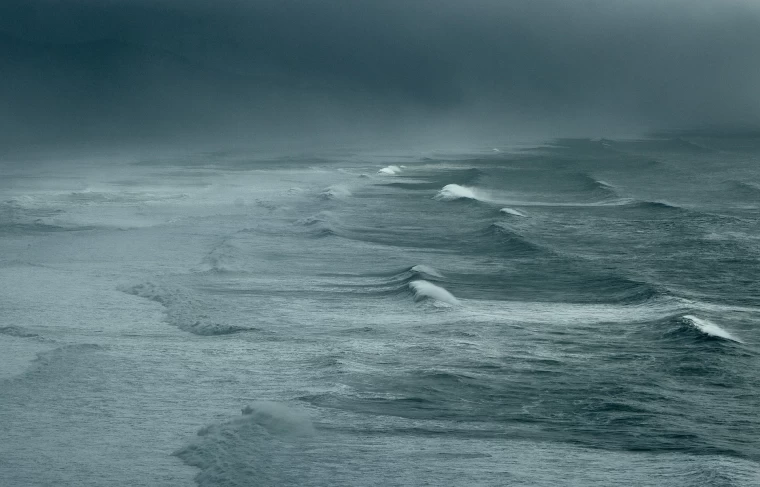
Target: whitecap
x=452, y=192
x=512, y=211
x=709, y=328
x=428, y=290
x=390, y=170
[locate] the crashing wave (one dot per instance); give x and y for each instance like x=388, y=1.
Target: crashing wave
x=427, y=290
x=452, y=192
x=709, y=328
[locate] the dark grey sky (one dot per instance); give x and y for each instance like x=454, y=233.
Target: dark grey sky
x=116, y=69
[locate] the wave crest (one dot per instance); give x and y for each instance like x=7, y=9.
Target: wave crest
x=513, y=212
x=452, y=192
x=427, y=290
x=709, y=328
x=390, y=170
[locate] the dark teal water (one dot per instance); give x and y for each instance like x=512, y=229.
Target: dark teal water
x=580, y=313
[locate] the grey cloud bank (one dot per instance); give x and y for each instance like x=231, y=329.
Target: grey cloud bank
x=134, y=70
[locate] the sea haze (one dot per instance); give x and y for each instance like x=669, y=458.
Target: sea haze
x=379, y=243
x=583, y=312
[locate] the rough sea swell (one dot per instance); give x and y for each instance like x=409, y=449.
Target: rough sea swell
x=583, y=313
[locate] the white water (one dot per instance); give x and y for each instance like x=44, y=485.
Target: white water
x=709, y=328
x=425, y=289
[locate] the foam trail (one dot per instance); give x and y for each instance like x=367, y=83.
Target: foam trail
x=512, y=211
x=425, y=289
x=452, y=192
x=390, y=170
x=709, y=328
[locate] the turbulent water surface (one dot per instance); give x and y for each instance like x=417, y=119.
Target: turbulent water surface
x=580, y=313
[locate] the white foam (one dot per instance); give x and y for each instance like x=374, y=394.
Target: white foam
x=512, y=211
x=425, y=289
x=709, y=328
x=452, y=192
x=390, y=170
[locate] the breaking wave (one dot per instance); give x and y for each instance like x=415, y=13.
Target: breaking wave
x=427, y=290
x=513, y=212
x=390, y=170
x=453, y=192
x=709, y=328
x=426, y=271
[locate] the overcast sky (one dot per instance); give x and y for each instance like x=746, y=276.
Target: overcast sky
x=131, y=68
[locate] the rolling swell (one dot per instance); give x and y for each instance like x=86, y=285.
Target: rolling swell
x=221, y=258
x=182, y=310
x=416, y=282
x=511, y=241
x=267, y=444
x=321, y=225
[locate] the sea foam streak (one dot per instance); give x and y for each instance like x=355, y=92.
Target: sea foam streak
x=428, y=290
x=709, y=328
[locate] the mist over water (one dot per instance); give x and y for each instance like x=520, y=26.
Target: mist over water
x=379, y=243
x=368, y=318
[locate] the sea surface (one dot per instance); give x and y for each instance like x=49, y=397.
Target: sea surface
x=583, y=312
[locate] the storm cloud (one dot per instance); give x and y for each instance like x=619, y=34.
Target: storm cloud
x=125, y=69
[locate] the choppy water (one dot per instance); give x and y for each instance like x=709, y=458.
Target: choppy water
x=581, y=313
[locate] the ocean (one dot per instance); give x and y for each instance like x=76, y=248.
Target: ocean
x=579, y=312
